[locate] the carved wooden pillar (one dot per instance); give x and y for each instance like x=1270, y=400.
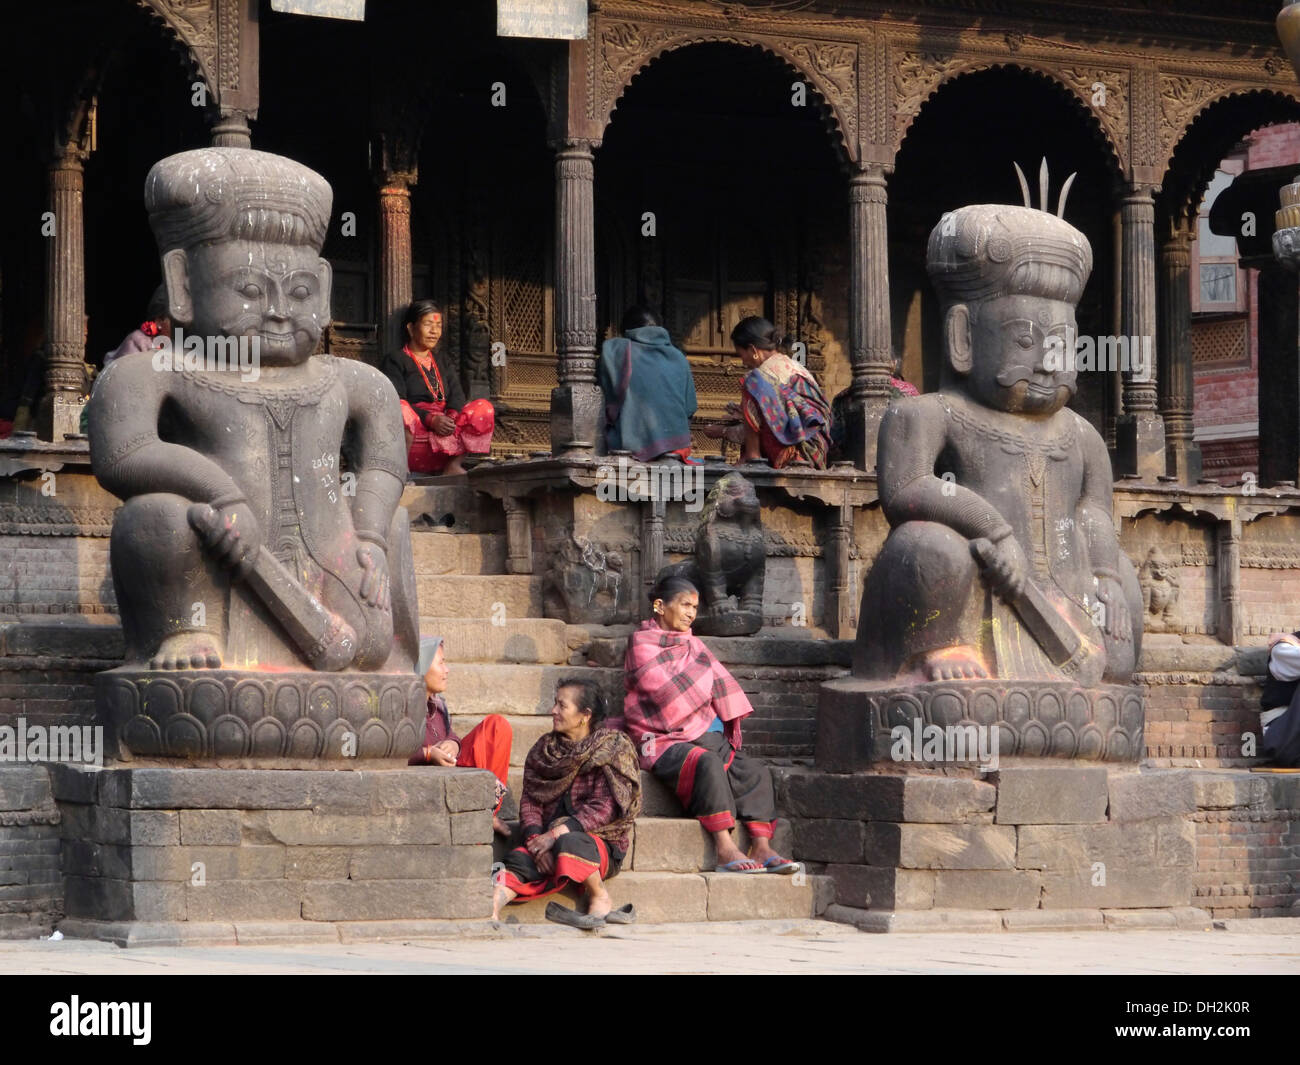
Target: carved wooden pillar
x=576, y=406
x=1182, y=455
x=837, y=558
x=519, y=535
x=1228, y=538
x=1140, y=433
x=231, y=130
x=870, y=339
x=652, y=539
x=65, y=299
x=394, y=258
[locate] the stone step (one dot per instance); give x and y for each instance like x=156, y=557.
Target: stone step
x=435, y=503
x=442, y=550
x=656, y=799
x=509, y=597
x=662, y=898
x=478, y=688
x=680, y=845
x=478, y=640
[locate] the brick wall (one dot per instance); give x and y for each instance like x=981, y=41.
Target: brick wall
x=31, y=885
x=55, y=575
x=1199, y=718
x=1247, y=844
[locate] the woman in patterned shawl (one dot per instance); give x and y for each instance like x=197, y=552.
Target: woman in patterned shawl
x=786, y=419
x=683, y=711
x=581, y=793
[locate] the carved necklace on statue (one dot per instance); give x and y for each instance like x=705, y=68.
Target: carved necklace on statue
x=439, y=395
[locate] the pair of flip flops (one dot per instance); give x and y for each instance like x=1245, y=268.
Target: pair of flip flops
x=625, y=914
x=776, y=864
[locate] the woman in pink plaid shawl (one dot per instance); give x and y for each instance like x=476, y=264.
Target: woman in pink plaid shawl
x=683, y=711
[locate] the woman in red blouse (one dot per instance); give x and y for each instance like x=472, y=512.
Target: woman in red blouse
x=441, y=427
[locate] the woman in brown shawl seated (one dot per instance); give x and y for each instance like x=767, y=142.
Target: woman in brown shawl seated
x=683, y=711
x=582, y=791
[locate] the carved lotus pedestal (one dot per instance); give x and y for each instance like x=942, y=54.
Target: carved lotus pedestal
x=857, y=721
x=229, y=713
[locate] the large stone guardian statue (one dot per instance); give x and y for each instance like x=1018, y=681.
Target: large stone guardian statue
x=1001, y=597
x=266, y=593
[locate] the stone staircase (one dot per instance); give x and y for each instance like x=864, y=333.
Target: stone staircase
x=505, y=658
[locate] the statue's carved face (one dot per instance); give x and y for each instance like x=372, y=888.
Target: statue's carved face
x=1010, y=342
x=738, y=499
x=278, y=293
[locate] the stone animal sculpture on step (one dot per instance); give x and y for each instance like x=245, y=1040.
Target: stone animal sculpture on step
x=730, y=561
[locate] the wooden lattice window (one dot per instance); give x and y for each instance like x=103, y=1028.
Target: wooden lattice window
x=1219, y=343
x=521, y=309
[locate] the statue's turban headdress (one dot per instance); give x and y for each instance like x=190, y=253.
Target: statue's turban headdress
x=214, y=194
x=989, y=250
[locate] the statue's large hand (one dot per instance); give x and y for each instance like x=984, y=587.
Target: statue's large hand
x=1116, y=620
x=230, y=533
x=1005, y=566
x=374, y=575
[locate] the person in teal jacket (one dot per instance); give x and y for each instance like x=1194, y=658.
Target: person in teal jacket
x=649, y=390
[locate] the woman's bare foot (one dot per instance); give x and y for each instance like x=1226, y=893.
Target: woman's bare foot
x=501, y=895
x=499, y=826
x=187, y=650
x=598, y=902
x=454, y=468
x=954, y=663
x=727, y=851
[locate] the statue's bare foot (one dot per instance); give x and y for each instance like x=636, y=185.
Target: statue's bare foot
x=187, y=650
x=954, y=663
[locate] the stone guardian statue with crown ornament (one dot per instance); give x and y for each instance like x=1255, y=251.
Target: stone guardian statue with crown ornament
x=1001, y=598
x=266, y=592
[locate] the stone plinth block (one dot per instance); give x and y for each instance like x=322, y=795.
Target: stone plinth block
x=221, y=713
x=1051, y=795
x=1133, y=864
x=857, y=720
x=1143, y=795
x=941, y=846
x=883, y=797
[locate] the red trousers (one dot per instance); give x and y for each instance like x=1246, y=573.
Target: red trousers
x=487, y=746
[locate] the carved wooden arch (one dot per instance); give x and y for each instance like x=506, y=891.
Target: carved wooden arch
x=1187, y=168
x=193, y=37
x=835, y=99
x=1113, y=133
x=70, y=126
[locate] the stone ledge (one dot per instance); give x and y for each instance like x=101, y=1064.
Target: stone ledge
x=916, y=921
x=1271, y=925
x=976, y=921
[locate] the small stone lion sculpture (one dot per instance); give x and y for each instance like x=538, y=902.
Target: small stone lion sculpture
x=730, y=561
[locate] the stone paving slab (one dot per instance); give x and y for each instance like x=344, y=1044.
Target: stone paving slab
x=742, y=947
